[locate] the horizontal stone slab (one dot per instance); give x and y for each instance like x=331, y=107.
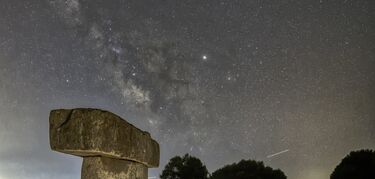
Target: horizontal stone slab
x=94, y=132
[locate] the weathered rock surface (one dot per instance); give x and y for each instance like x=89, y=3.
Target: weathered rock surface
x=93, y=132
x=108, y=168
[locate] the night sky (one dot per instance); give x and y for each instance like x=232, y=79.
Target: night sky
x=223, y=80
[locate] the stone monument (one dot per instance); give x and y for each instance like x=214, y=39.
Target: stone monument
x=111, y=147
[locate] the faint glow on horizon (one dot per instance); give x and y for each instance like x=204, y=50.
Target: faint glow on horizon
x=314, y=173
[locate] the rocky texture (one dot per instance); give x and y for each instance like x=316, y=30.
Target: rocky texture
x=111, y=147
x=102, y=167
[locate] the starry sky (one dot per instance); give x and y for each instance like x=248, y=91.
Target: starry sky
x=223, y=80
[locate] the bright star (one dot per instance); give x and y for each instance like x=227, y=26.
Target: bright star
x=204, y=57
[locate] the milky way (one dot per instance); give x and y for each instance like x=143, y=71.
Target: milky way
x=222, y=80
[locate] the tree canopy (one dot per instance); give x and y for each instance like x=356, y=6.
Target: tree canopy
x=246, y=169
x=356, y=165
x=186, y=167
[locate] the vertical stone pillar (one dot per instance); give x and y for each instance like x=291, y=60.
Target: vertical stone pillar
x=103, y=167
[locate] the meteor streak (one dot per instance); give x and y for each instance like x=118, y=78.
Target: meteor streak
x=278, y=153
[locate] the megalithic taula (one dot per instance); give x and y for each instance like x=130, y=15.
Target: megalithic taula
x=111, y=147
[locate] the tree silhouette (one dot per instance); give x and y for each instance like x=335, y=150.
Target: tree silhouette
x=356, y=165
x=186, y=167
x=246, y=169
